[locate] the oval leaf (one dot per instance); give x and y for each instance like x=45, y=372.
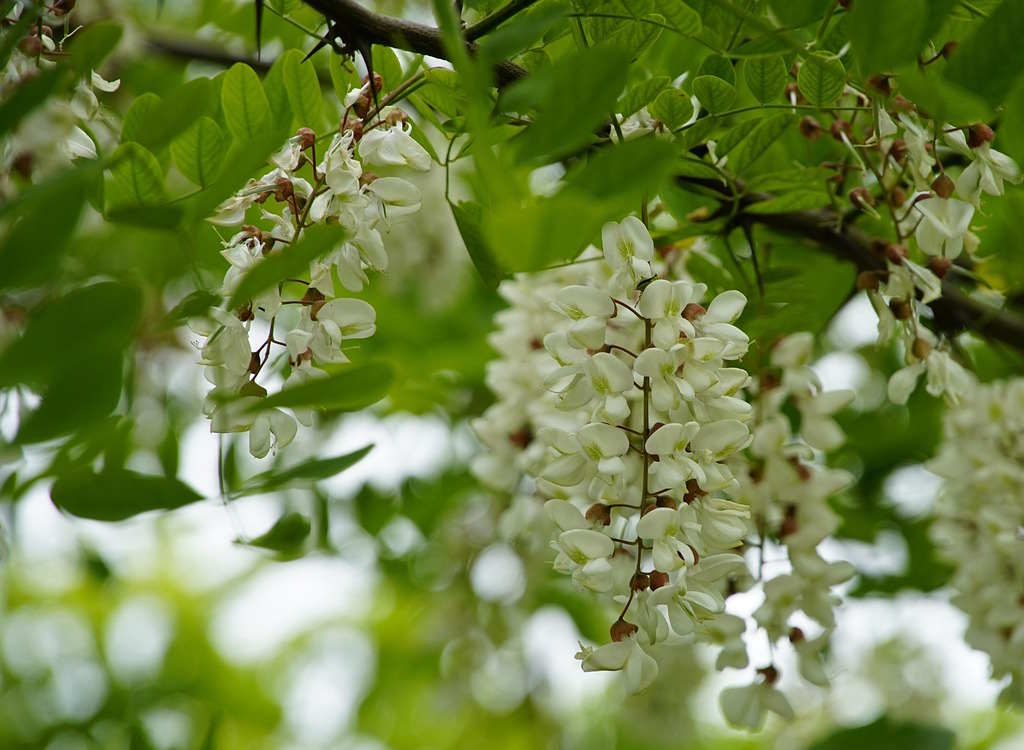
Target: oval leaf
x=821, y=79
x=245, y=105
x=765, y=77
x=117, y=494
x=199, y=151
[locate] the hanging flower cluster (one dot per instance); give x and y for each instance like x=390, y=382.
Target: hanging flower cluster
x=927, y=204
x=980, y=521
x=787, y=490
x=306, y=317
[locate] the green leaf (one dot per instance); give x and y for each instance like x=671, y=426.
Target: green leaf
x=137, y=177
x=888, y=733
x=387, y=65
x=765, y=77
x=192, y=306
x=640, y=95
x=821, y=79
x=520, y=32
x=90, y=47
x=799, y=12
x=352, y=388
x=303, y=88
x=117, y=494
x=85, y=323
x=571, y=97
x=154, y=122
x=442, y=91
x=288, y=261
x=1011, y=131
x=671, y=107
x=885, y=34
x=32, y=249
x=679, y=16
x=287, y=534
x=343, y=80
x=714, y=94
x=199, y=151
x=797, y=200
x=941, y=98
x=719, y=67
x=760, y=139
x=245, y=105
x=28, y=95
x=468, y=216
x=989, y=62
x=307, y=472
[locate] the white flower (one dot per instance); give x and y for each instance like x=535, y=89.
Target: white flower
x=662, y=527
x=945, y=377
x=589, y=309
x=596, y=447
x=943, y=225
x=675, y=465
x=987, y=171
x=638, y=667
x=324, y=331
x=604, y=377
x=226, y=354
x=667, y=390
x=396, y=197
x=584, y=554
x=393, y=146
x=628, y=250
x=663, y=303
x=271, y=428
x=747, y=706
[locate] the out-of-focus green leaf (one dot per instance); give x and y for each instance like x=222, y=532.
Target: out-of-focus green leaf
x=672, y=107
x=117, y=494
x=287, y=534
x=886, y=35
x=159, y=120
x=751, y=148
x=303, y=473
x=137, y=180
x=468, y=216
x=641, y=95
x=351, y=388
x=303, y=89
x=888, y=733
x=989, y=62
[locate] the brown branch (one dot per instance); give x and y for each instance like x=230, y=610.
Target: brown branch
x=373, y=28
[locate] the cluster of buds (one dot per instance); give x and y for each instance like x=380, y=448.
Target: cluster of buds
x=337, y=190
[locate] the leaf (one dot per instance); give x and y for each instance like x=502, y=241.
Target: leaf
x=352, y=388
x=989, y=62
x=468, y=216
x=288, y=261
x=885, y=34
x=714, y=94
x=192, y=306
x=640, y=95
x=442, y=91
x=87, y=322
x=941, y=98
x=520, y=32
x=306, y=472
x=719, y=67
x=760, y=139
x=679, y=16
x=286, y=535
x=138, y=117
x=888, y=733
x=571, y=97
x=765, y=77
x=28, y=95
x=90, y=47
x=157, y=122
x=797, y=200
x=388, y=66
x=245, y=105
x=799, y=12
x=117, y=494
x=199, y=151
x=303, y=88
x=137, y=177
x=821, y=79
x=672, y=107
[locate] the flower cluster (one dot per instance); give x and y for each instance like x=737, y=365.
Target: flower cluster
x=980, y=521
x=787, y=490
x=934, y=209
x=630, y=444
x=340, y=190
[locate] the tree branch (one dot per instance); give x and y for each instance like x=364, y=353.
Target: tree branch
x=374, y=28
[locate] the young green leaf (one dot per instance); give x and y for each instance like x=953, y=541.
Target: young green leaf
x=821, y=79
x=303, y=89
x=672, y=107
x=354, y=387
x=137, y=178
x=760, y=139
x=765, y=77
x=714, y=94
x=640, y=95
x=468, y=216
x=286, y=535
x=199, y=151
x=306, y=472
x=245, y=105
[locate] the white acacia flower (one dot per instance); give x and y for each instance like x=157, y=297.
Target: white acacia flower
x=687, y=607
x=638, y=667
x=589, y=309
x=747, y=706
x=717, y=323
x=226, y=353
x=597, y=447
x=603, y=377
x=663, y=302
x=816, y=424
x=395, y=196
x=393, y=146
x=944, y=222
x=584, y=554
x=324, y=331
x=986, y=172
x=675, y=466
x=662, y=526
x=667, y=390
x=628, y=250
x=945, y=377
x=271, y=428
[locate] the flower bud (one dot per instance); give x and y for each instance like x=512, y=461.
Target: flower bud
x=599, y=513
x=62, y=7
x=657, y=579
x=895, y=253
x=770, y=673
x=395, y=117
x=22, y=164
x=796, y=635
x=948, y=49
x=366, y=178
x=255, y=364
x=979, y=134
x=921, y=348
x=315, y=308
x=693, y=311
x=793, y=92
x=621, y=630
x=839, y=127
x=664, y=501
x=903, y=104
x=897, y=196
x=357, y=130
x=810, y=128
x=940, y=266
x=521, y=438
x=361, y=106
x=639, y=581
x=244, y=313
x=283, y=189
x=943, y=185
x=868, y=280
x=898, y=150
x=378, y=82
x=900, y=308
x=307, y=138
x=861, y=198
x=881, y=84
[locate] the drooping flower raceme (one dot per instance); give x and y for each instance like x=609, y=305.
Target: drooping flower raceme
x=315, y=326
x=980, y=521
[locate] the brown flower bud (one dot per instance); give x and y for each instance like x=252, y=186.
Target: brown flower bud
x=312, y=295
x=639, y=581
x=315, y=308
x=839, y=127
x=367, y=177
x=62, y=7
x=244, y=313
x=793, y=91
x=395, y=117
x=845, y=4
x=599, y=513
x=940, y=266
x=283, y=189
x=801, y=470
x=378, y=82
x=900, y=308
x=22, y=164
x=902, y=103
x=868, y=280
x=943, y=185
x=921, y=348
x=757, y=473
x=770, y=673
x=307, y=137
x=895, y=253
x=979, y=134
x=796, y=635
x=658, y=579
x=361, y=106
x=948, y=49
x=898, y=150
x=521, y=438
x=255, y=364
x=897, y=196
x=31, y=45
x=810, y=128
x=693, y=488
x=692, y=311
x=861, y=198
x=664, y=501
x=881, y=84
x=621, y=630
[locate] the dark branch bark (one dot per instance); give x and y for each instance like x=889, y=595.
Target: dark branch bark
x=374, y=28
x=190, y=50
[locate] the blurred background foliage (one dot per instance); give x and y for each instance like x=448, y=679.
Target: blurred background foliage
x=451, y=630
